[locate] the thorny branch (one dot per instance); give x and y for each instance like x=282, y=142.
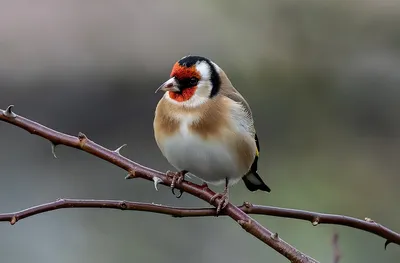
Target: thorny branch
x=313, y=217
x=135, y=170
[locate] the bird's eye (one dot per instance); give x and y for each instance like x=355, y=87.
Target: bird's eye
x=193, y=81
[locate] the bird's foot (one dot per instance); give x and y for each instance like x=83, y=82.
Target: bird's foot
x=223, y=200
x=176, y=178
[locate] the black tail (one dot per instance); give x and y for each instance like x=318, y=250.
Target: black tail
x=254, y=182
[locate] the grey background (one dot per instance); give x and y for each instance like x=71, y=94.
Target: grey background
x=322, y=78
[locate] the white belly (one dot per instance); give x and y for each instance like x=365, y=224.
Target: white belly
x=210, y=161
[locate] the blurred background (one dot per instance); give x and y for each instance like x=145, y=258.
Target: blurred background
x=323, y=80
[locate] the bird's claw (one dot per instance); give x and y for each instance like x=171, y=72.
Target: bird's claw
x=177, y=195
x=176, y=178
x=222, y=202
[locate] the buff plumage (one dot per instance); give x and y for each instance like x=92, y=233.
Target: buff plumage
x=204, y=126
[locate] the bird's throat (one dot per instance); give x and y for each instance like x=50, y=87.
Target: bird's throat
x=185, y=95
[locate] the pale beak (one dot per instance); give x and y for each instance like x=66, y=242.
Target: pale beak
x=169, y=85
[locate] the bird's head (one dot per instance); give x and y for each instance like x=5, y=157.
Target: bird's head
x=193, y=81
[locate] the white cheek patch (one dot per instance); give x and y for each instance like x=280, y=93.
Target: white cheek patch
x=203, y=88
x=204, y=70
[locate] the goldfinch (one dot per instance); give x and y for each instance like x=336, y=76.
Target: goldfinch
x=203, y=126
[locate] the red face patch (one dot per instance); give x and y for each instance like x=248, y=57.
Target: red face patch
x=182, y=73
x=185, y=95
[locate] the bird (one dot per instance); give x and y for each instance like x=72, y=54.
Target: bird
x=204, y=127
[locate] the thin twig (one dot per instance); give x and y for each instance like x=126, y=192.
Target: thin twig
x=316, y=218
x=336, y=250
x=110, y=204
x=368, y=226
x=136, y=170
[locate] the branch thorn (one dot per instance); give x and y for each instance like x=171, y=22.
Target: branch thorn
x=247, y=204
x=369, y=220
x=130, y=175
x=13, y=220
x=156, y=180
x=81, y=136
x=315, y=222
x=246, y=224
x=275, y=236
x=123, y=205
x=117, y=151
x=9, y=113
x=387, y=243
x=53, y=149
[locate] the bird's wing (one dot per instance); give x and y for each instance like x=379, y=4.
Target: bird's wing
x=237, y=97
x=231, y=93
x=234, y=95
x=252, y=180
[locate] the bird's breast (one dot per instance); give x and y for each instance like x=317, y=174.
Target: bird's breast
x=209, y=159
x=208, y=145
